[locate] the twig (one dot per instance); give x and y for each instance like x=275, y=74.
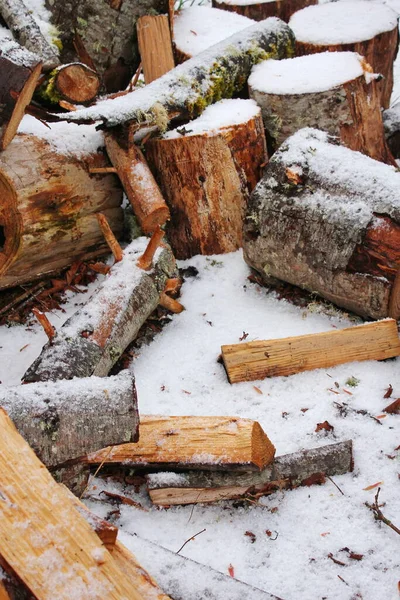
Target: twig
x=97, y=470
x=335, y=484
x=110, y=237
x=145, y=261
x=135, y=78
x=27, y=293
x=191, y=538
x=379, y=516
x=45, y=323
x=336, y=561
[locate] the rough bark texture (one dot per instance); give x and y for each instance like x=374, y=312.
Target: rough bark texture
x=391, y=122
x=262, y=10
x=305, y=231
x=75, y=83
x=351, y=112
x=155, y=46
x=48, y=207
x=20, y=72
x=92, y=340
x=64, y=420
x=287, y=471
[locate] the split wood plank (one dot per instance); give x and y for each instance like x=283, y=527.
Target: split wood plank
x=155, y=46
x=215, y=443
x=285, y=472
x=42, y=534
x=273, y=358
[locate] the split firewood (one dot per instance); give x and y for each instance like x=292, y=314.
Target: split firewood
x=21, y=70
x=75, y=82
x=186, y=579
x=286, y=356
x=30, y=497
x=27, y=32
x=333, y=91
x=139, y=184
x=345, y=247
x=48, y=209
x=258, y=10
x=155, y=46
x=92, y=340
x=64, y=420
x=189, y=88
x=206, y=171
x=285, y=472
x=215, y=443
x=335, y=27
x=110, y=237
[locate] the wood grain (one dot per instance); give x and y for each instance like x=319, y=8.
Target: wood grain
x=155, y=47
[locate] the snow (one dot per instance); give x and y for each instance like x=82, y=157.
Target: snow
x=222, y=115
x=342, y=22
x=306, y=74
x=199, y=27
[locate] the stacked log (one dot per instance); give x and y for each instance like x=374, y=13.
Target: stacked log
x=332, y=91
x=371, y=30
x=259, y=10
x=327, y=219
x=75, y=82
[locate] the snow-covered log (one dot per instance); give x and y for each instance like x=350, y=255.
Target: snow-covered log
x=285, y=472
x=327, y=219
x=216, y=73
x=332, y=91
x=371, y=30
x=48, y=206
x=259, y=10
x=92, y=340
x=206, y=171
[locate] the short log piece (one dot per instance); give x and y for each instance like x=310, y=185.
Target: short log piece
x=76, y=83
x=285, y=472
x=332, y=91
x=206, y=171
x=287, y=356
x=92, y=340
x=336, y=27
x=155, y=46
x=212, y=443
x=259, y=10
x=48, y=207
x=326, y=219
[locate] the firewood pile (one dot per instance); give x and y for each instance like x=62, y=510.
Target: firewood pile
x=266, y=136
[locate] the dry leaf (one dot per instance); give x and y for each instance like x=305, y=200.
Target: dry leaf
x=389, y=391
x=293, y=176
x=231, y=571
x=257, y=389
x=325, y=534
x=393, y=408
x=371, y=487
x=315, y=479
x=251, y=535
x=324, y=426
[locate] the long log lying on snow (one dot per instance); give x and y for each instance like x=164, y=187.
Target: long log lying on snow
x=65, y=420
x=92, y=340
x=318, y=209
x=216, y=73
x=285, y=472
x=222, y=443
x=286, y=356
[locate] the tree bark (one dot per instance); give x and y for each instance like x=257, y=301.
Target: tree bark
x=258, y=11
x=48, y=208
x=350, y=110
x=318, y=245
x=216, y=443
x=21, y=70
x=92, y=340
x=75, y=83
x=155, y=46
x=285, y=472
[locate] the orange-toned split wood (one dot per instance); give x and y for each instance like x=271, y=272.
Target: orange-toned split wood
x=170, y=303
x=146, y=260
x=110, y=237
x=45, y=323
x=155, y=46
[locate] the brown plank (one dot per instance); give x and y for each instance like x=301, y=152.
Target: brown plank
x=155, y=47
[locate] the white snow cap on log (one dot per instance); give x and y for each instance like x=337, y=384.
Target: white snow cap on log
x=307, y=74
x=223, y=114
x=199, y=27
x=342, y=22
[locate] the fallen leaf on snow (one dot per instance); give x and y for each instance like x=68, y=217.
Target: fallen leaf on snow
x=393, y=408
x=371, y=487
x=389, y=391
x=257, y=389
x=231, y=571
x=325, y=426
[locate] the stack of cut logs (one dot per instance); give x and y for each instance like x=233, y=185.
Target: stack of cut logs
x=193, y=163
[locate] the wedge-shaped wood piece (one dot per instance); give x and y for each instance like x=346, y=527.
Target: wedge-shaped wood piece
x=155, y=46
x=286, y=356
x=43, y=538
x=222, y=443
x=285, y=472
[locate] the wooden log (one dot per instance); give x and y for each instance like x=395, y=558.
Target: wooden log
x=139, y=184
x=256, y=10
x=75, y=82
x=292, y=237
x=217, y=73
x=285, y=472
x=332, y=91
x=27, y=32
x=336, y=27
x=186, y=579
x=206, y=171
x=70, y=559
x=91, y=341
x=48, y=207
x=21, y=70
x=286, y=356
x=155, y=46
x=65, y=420
x=391, y=123
x=193, y=442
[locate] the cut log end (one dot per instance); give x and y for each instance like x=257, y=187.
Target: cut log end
x=77, y=83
